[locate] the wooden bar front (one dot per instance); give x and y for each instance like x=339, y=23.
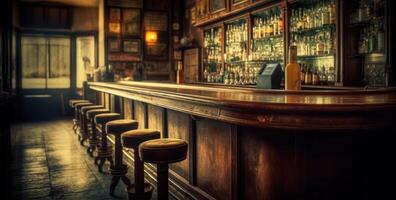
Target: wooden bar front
x=267, y=144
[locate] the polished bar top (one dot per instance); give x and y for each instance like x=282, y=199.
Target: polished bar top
x=248, y=97
x=241, y=104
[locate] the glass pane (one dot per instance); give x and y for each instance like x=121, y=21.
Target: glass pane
x=34, y=62
x=85, y=58
x=59, y=70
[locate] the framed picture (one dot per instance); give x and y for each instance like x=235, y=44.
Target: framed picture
x=156, y=21
x=114, y=14
x=156, y=51
x=131, y=46
x=217, y=5
x=193, y=15
x=114, y=45
x=114, y=28
x=131, y=22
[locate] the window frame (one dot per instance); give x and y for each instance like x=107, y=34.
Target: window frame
x=46, y=36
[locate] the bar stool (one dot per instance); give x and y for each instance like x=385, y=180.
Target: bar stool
x=119, y=170
x=104, y=152
x=72, y=103
x=163, y=152
x=132, y=139
x=86, y=126
x=77, y=109
x=93, y=139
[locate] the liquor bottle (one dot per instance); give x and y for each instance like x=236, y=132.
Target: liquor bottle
x=292, y=70
x=302, y=74
x=280, y=23
x=308, y=76
x=333, y=12
x=323, y=76
x=380, y=38
x=315, y=77
x=330, y=76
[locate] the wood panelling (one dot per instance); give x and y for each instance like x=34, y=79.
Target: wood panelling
x=267, y=164
x=179, y=127
x=156, y=119
x=140, y=113
x=214, y=162
x=128, y=108
x=107, y=100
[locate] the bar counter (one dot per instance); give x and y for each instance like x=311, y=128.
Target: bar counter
x=247, y=143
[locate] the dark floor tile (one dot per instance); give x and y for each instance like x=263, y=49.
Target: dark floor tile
x=74, y=184
x=98, y=194
x=34, y=193
x=26, y=184
x=31, y=170
x=57, y=168
x=31, y=177
x=76, y=172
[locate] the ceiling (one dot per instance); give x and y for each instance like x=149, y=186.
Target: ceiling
x=78, y=3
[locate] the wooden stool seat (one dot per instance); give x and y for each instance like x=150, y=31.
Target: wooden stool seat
x=73, y=102
x=106, y=117
x=132, y=139
x=165, y=150
x=104, y=151
x=78, y=106
x=116, y=127
x=92, y=113
x=162, y=152
x=85, y=109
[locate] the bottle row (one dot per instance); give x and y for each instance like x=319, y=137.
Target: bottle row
x=267, y=24
x=314, y=14
x=315, y=75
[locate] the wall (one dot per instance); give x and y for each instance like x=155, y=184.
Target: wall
x=85, y=19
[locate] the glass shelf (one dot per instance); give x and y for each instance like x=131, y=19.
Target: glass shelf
x=327, y=27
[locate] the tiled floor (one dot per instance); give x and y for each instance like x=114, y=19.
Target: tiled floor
x=49, y=163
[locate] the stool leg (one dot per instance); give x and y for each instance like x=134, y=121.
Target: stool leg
x=162, y=181
x=139, y=172
x=104, y=148
x=118, y=171
x=114, y=183
x=93, y=140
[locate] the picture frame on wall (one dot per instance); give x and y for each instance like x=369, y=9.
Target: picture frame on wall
x=193, y=15
x=131, y=22
x=132, y=46
x=114, y=28
x=217, y=5
x=114, y=45
x=114, y=14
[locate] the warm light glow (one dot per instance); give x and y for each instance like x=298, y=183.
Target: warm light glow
x=151, y=36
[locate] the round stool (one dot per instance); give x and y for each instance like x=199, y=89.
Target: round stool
x=163, y=152
x=72, y=103
x=77, y=115
x=119, y=170
x=93, y=140
x=132, y=139
x=86, y=126
x=104, y=153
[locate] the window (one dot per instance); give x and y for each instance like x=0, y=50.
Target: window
x=45, y=62
x=85, y=55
